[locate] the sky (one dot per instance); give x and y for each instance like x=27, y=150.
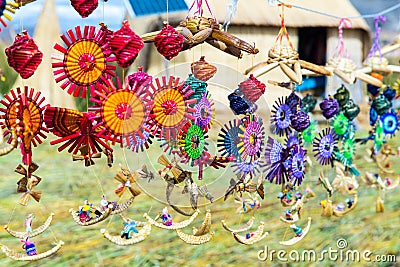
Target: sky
x=115, y=13
x=391, y=27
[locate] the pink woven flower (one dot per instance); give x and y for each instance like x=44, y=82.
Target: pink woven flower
x=169, y=42
x=126, y=45
x=24, y=55
x=140, y=77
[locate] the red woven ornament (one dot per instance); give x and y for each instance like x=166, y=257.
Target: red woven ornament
x=107, y=33
x=125, y=45
x=24, y=55
x=169, y=42
x=84, y=7
x=252, y=88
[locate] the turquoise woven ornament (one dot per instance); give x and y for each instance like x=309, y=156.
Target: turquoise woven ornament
x=199, y=87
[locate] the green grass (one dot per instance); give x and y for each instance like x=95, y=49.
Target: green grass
x=66, y=184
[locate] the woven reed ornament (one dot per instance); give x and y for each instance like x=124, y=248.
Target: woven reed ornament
x=125, y=45
x=169, y=42
x=24, y=55
x=203, y=70
x=84, y=7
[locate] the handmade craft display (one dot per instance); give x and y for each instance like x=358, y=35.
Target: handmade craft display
x=200, y=235
x=179, y=117
x=123, y=112
x=34, y=255
x=125, y=45
x=80, y=131
x=29, y=232
x=129, y=235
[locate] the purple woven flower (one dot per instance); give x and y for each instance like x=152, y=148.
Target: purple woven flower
x=275, y=161
x=280, y=118
x=141, y=77
x=329, y=107
x=242, y=168
x=292, y=140
x=300, y=121
x=205, y=112
x=324, y=145
x=252, y=138
x=138, y=143
x=294, y=102
x=296, y=168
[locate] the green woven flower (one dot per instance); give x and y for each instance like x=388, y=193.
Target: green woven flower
x=379, y=136
x=348, y=149
x=309, y=133
x=340, y=124
x=193, y=142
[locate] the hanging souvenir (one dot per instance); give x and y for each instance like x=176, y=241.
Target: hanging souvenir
x=77, y=130
x=197, y=29
x=85, y=61
x=24, y=55
x=169, y=42
x=23, y=113
x=286, y=57
x=343, y=66
x=140, y=77
x=123, y=111
x=171, y=108
x=125, y=45
x=203, y=70
x=84, y=7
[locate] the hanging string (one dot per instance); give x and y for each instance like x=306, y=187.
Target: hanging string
x=51, y=230
x=12, y=213
x=283, y=31
x=376, y=48
x=104, y=3
x=383, y=12
x=167, y=13
x=346, y=23
x=21, y=20
x=199, y=9
x=112, y=215
x=99, y=182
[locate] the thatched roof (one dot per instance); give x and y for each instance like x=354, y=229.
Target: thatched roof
x=259, y=13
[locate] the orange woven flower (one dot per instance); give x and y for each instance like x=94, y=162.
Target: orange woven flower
x=85, y=61
x=171, y=108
